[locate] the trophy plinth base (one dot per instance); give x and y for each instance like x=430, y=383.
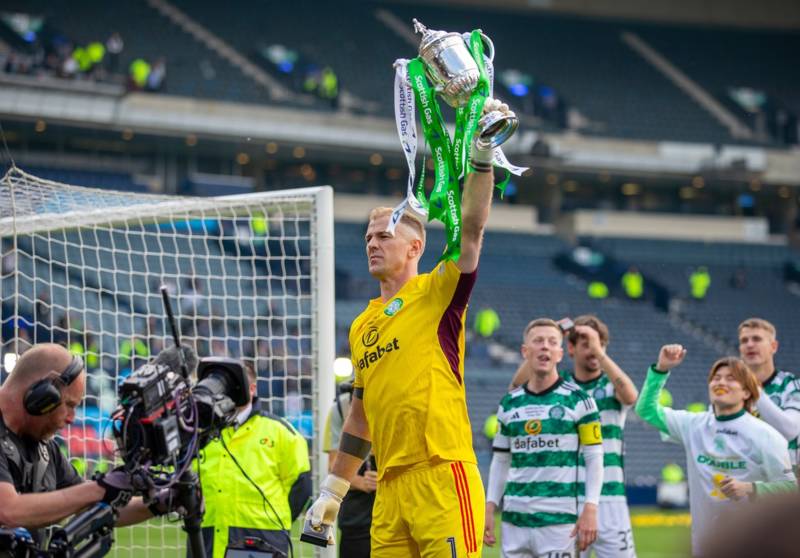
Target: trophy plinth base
x=318, y=536
x=496, y=128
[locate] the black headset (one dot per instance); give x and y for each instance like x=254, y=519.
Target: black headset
x=45, y=395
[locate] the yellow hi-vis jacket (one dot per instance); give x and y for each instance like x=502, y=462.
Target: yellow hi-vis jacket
x=274, y=455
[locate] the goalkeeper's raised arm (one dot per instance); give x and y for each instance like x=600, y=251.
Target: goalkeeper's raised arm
x=477, y=198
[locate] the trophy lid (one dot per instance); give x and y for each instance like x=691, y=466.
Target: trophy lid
x=429, y=36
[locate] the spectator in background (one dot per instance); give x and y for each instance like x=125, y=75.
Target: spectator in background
x=114, y=47
x=138, y=72
x=699, y=282
x=329, y=86
x=131, y=352
x=633, y=283
x=156, y=80
x=96, y=52
x=672, y=491
x=597, y=290
x=486, y=322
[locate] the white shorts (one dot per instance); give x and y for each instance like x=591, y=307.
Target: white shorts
x=538, y=542
x=614, y=534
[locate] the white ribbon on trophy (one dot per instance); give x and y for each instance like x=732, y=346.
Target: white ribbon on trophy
x=499, y=158
x=406, y=120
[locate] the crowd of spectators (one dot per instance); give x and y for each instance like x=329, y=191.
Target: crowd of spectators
x=53, y=55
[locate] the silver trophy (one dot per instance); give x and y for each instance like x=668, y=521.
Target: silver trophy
x=454, y=75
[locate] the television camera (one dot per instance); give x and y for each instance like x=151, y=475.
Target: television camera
x=162, y=420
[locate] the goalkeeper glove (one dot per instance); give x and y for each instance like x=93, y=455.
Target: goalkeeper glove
x=325, y=509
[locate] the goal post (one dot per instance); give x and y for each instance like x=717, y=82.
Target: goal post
x=250, y=276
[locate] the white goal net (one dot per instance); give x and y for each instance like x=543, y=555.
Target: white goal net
x=249, y=277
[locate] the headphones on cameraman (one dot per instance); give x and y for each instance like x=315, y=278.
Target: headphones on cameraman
x=45, y=395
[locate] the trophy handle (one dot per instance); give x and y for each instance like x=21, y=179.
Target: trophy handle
x=488, y=45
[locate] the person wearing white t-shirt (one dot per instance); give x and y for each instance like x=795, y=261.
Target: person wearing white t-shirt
x=731, y=455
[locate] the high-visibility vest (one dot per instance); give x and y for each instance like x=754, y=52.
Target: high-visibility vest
x=699, y=282
x=633, y=283
x=273, y=454
x=597, y=289
x=329, y=84
x=139, y=71
x=486, y=322
x=130, y=348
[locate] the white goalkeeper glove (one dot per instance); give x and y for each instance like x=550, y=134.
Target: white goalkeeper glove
x=326, y=507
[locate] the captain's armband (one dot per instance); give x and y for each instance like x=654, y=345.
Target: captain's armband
x=590, y=434
x=355, y=446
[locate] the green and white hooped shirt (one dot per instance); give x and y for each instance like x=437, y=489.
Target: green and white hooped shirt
x=612, y=418
x=783, y=388
x=544, y=433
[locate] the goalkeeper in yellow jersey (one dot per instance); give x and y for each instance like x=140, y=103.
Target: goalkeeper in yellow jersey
x=409, y=401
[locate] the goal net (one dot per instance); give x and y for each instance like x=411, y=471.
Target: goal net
x=249, y=276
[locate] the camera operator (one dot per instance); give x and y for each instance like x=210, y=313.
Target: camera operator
x=38, y=486
x=255, y=479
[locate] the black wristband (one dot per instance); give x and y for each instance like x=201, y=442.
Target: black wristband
x=355, y=446
x=481, y=167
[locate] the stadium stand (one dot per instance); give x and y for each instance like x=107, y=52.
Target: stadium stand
x=720, y=59
x=590, y=65
x=344, y=35
x=762, y=292
x=193, y=70
x=585, y=61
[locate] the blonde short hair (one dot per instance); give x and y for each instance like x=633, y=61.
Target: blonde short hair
x=541, y=322
x=409, y=218
x=758, y=323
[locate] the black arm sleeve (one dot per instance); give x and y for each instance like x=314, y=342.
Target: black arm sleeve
x=300, y=494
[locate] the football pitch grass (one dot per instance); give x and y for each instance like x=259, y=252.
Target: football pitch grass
x=657, y=534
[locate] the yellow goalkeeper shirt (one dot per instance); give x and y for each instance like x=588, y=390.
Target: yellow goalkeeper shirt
x=408, y=354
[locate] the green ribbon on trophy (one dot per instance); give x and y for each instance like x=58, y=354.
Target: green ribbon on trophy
x=460, y=75
x=450, y=157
